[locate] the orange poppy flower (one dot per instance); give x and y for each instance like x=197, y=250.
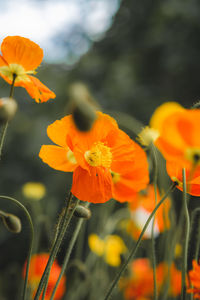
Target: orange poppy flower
x=140, y=284
x=179, y=138
x=194, y=276
x=104, y=160
x=37, y=266
x=141, y=207
x=171, y=273
x=20, y=57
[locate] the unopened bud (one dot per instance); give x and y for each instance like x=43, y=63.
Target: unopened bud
x=12, y=223
x=83, y=107
x=82, y=212
x=8, y=108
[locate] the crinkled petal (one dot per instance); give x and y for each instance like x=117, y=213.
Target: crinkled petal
x=95, y=187
x=58, y=130
x=20, y=50
x=37, y=90
x=57, y=158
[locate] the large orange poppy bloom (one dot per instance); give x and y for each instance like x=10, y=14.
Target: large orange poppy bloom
x=194, y=276
x=104, y=160
x=20, y=57
x=37, y=266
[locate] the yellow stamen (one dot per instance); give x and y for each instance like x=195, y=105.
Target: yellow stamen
x=193, y=155
x=99, y=156
x=71, y=157
x=115, y=177
x=18, y=70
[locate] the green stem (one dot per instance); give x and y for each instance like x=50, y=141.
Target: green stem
x=134, y=250
x=187, y=230
x=66, y=220
x=155, y=178
x=31, y=239
x=4, y=130
x=68, y=253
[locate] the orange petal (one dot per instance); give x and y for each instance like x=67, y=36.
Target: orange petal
x=95, y=187
x=20, y=50
x=57, y=158
x=58, y=131
x=37, y=90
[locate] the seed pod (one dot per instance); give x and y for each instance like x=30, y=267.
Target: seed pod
x=12, y=223
x=82, y=212
x=82, y=106
x=8, y=108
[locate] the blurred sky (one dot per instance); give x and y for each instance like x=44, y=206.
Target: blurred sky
x=65, y=29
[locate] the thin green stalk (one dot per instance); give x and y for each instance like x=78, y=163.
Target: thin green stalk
x=67, y=218
x=136, y=246
x=155, y=178
x=68, y=253
x=194, y=215
x=187, y=230
x=31, y=239
x=4, y=130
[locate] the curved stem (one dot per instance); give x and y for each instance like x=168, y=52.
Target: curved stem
x=31, y=239
x=155, y=177
x=187, y=229
x=134, y=250
x=66, y=220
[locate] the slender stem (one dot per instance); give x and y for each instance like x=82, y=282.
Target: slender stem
x=68, y=253
x=4, y=130
x=135, y=248
x=31, y=239
x=155, y=177
x=67, y=218
x=187, y=230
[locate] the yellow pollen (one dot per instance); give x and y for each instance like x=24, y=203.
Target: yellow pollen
x=179, y=183
x=115, y=177
x=71, y=158
x=99, y=156
x=193, y=155
x=18, y=70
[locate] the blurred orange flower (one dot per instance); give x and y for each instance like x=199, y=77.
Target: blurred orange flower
x=141, y=207
x=37, y=266
x=105, y=161
x=20, y=57
x=180, y=145
x=140, y=284
x=194, y=277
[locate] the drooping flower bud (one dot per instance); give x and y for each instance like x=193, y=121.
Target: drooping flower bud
x=8, y=108
x=82, y=212
x=82, y=107
x=12, y=223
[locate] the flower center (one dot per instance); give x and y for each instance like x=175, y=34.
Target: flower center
x=193, y=155
x=18, y=70
x=71, y=158
x=115, y=177
x=177, y=181
x=99, y=156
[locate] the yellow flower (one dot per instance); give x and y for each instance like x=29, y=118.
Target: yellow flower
x=34, y=190
x=110, y=248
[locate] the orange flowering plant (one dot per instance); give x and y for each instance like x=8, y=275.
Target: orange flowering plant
x=19, y=60
x=37, y=265
x=105, y=161
x=193, y=284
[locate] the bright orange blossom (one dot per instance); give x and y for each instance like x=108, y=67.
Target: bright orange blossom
x=180, y=145
x=194, y=276
x=21, y=56
x=37, y=266
x=105, y=161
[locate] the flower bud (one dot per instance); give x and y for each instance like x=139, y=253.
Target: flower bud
x=12, y=223
x=82, y=107
x=82, y=212
x=8, y=108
